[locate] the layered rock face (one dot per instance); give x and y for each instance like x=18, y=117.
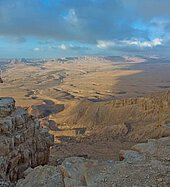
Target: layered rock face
x=147, y=164
x=130, y=119
x=23, y=143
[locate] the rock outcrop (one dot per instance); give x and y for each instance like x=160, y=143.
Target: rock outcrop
x=23, y=143
x=146, y=165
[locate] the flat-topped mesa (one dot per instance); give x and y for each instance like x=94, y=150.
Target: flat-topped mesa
x=7, y=105
x=23, y=142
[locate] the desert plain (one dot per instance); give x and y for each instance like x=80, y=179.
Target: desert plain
x=94, y=106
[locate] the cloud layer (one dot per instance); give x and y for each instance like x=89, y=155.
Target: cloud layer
x=85, y=25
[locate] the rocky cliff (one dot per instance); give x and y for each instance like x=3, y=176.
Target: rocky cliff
x=23, y=143
x=133, y=119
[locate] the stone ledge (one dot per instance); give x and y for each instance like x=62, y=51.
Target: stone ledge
x=7, y=105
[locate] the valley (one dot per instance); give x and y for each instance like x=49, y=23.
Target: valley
x=94, y=106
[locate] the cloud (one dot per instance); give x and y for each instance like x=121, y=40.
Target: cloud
x=37, y=49
x=66, y=47
x=132, y=44
x=71, y=17
x=84, y=21
x=105, y=44
x=147, y=9
x=71, y=47
x=63, y=47
x=74, y=25
x=144, y=44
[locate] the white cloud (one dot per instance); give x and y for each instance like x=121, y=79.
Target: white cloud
x=142, y=44
x=157, y=41
x=36, y=49
x=63, y=47
x=105, y=44
x=71, y=17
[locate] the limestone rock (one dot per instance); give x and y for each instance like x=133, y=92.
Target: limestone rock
x=23, y=143
x=137, y=169
x=42, y=176
x=6, y=184
x=7, y=105
x=158, y=149
x=131, y=156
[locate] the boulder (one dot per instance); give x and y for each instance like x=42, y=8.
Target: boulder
x=136, y=169
x=42, y=176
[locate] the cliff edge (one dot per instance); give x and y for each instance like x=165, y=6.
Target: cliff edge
x=23, y=143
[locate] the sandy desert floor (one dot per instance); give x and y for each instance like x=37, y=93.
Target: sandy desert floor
x=54, y=88
x=90, y=79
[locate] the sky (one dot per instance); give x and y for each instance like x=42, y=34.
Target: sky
x=60, y=28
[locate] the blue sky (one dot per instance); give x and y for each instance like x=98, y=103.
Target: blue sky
x=58, y=28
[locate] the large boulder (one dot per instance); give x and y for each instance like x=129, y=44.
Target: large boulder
x=42, y=176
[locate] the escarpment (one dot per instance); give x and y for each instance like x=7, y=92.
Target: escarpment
x=23, y=143
x=136, y=119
